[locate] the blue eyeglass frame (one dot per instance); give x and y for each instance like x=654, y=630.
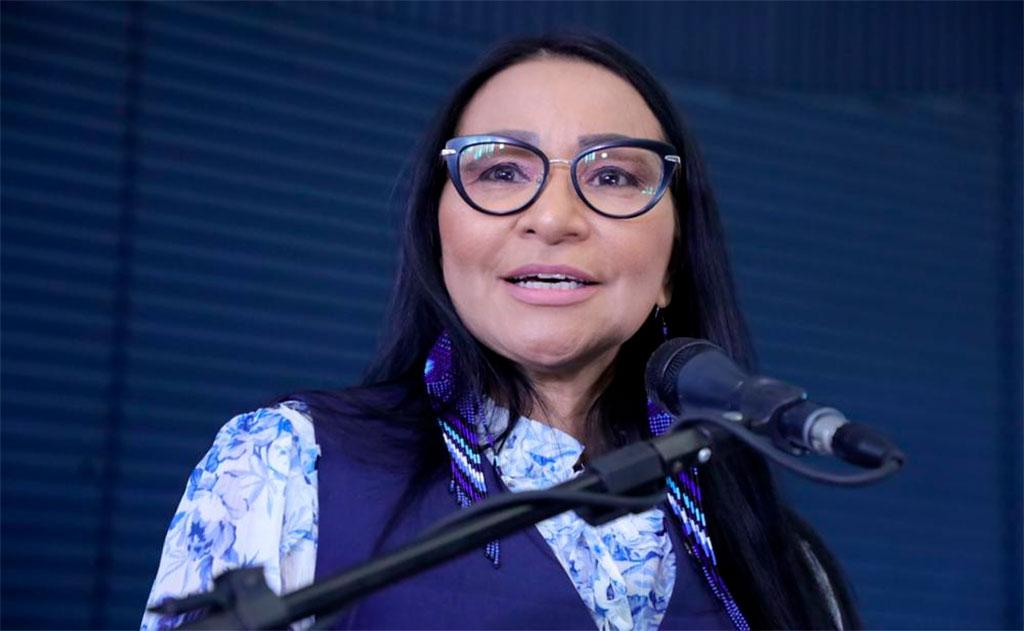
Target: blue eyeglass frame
x=670, y=159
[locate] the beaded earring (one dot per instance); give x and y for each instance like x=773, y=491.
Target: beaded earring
x=458, y=417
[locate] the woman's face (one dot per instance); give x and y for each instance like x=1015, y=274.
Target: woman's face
x=556, y=331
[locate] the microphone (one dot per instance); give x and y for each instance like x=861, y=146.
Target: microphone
x=695, y=379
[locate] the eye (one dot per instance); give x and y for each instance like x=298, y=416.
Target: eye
x=508, y=173
x=612, y=177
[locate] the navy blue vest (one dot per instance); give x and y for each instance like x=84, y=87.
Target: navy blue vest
x=530, y=589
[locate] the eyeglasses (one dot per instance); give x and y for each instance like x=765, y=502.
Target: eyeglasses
x=621, y=178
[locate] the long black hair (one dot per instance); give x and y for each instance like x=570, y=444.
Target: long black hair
x=772, y=562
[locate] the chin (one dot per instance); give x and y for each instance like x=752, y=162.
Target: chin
x=548, y=352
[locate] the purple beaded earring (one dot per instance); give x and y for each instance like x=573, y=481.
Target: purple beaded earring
x=458, y=415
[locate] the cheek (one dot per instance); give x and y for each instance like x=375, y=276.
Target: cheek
x=462, y=241
x=644, y=257
x=468, y=248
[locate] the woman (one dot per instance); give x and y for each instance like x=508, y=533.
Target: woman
x=560, y=227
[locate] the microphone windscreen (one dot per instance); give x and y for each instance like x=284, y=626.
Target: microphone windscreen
x=662, y=372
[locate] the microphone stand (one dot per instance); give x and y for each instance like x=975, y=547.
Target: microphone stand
x=628, y=479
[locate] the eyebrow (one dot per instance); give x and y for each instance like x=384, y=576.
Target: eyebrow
x=593, y=139
x=587, y=140
x=518, y=134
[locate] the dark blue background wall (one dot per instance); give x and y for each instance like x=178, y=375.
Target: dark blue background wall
x=197, y=216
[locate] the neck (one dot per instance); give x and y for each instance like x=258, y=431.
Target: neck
x=566, y=396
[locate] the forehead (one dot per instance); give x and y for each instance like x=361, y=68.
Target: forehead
x=560, y=100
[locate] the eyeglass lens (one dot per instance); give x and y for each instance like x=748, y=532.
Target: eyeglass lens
x=618, y=181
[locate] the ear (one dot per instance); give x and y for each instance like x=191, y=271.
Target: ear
x=665, y=295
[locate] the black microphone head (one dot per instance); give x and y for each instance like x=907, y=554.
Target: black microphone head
x=661, y=375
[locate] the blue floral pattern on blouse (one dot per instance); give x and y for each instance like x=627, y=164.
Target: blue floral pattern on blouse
x=252, y=500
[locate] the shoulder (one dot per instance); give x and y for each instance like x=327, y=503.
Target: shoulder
x=256, y=458
x=269, y=445
x=287, y=423
x=267, y=442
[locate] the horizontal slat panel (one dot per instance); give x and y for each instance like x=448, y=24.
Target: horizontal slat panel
x=321, y=29
x=952, y=46
x=62, y=145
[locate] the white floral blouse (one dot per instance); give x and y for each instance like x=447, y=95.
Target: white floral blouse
x=252, y=500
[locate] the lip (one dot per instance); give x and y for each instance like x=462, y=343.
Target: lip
x=550, y=297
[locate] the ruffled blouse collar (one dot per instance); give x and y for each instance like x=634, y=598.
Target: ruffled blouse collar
x=534, y=455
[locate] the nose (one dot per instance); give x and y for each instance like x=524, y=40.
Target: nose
x=558, y=214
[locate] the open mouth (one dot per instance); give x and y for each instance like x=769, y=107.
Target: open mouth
x=549, y=281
